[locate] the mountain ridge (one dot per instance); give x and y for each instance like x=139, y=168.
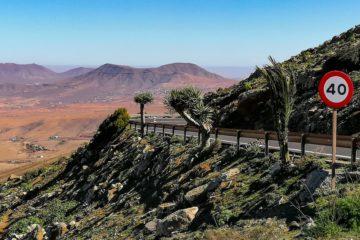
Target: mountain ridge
x=25, y=73
x=13, y=73
x=250, y=98
x=110, y=81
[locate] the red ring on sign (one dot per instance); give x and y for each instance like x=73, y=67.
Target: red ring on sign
x=322, y=90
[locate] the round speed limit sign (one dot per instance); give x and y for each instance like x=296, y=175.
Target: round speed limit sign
x=336, y=89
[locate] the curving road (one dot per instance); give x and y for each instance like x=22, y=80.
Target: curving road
x=342, y=153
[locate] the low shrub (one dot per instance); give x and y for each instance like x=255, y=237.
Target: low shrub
x=21, y=226
x=336, y=215
x=222, y=216
x=56, y=211
x=122, y=117
x=108, y=129
x=247, y=86
x=118, y=119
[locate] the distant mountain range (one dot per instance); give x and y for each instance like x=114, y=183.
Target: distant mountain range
x=106, y=82
x=34, y=74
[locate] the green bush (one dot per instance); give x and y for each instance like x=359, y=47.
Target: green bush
x=247, y=86
x=352, y=37
x=336, y=215
x=26, y=186
x=306, y=56
x=223, y=216
x=56, y=211
x=110, y=126
x=121, y=117
x=20, y=226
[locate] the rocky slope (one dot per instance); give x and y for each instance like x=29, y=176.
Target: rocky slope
x=120, y=186
x=246, y=105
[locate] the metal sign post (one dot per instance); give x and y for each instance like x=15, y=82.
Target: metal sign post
x=333, y=162
x=336, y=90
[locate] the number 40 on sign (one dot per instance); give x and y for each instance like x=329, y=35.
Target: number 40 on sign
x=336, y=90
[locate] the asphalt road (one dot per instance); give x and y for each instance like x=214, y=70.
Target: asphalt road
x=342, y=153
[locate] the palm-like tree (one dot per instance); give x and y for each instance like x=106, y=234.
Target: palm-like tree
x=281, y=83
x=143, y=99
x=188, y=102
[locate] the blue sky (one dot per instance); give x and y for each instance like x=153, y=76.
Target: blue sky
x=149, y=32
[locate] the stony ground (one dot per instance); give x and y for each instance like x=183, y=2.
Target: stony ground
x=121, y=186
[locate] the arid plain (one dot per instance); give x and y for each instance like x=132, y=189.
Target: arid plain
x=60, y=129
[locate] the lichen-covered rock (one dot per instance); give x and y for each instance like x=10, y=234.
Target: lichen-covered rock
x=14, y=177
x=230, y=174
x=314, y=181
x=177, y=221
x=201, y=191
x=36, y=232
x=57, y=231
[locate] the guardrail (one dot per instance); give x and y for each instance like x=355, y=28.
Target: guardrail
x=351, y=142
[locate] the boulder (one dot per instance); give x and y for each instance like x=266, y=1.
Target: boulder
x=196, y=193
x=15, y=236
x=315, y=180
x=73, y=224
x=14, y=177
x=275, y=169
x=151, y=226
x=294, y=225
x=35, y=232
x=166, y=208
x=57, y=230
x=177, y=221
x=118, y=186
x=111, y=194
x=201, y=191
x=230, y=174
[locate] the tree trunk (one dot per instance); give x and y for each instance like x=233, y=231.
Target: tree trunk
x=142, y=120
x=283, y=144
x=205, y=139
x=204, y=128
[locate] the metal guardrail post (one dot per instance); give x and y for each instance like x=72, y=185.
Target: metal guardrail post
x=154, y=129
x=267, y=144
x=303, y=143
x=185, y=134
x=317, y=139
x=199, y=136
x=353, y=151
x=238, y=140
